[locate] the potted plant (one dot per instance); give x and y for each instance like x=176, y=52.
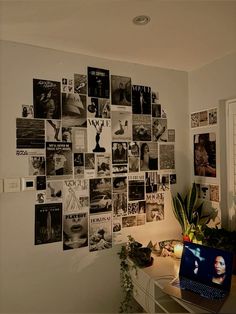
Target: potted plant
x=190, y=213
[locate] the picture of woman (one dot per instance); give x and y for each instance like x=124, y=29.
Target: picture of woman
x=144, y=157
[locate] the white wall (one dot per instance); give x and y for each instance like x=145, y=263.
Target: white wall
x=43, y=278
x=209, y=87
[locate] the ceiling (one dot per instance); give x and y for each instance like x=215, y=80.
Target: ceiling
x=182, y=35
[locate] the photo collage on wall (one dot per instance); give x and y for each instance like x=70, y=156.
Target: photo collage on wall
x=204, y=153
x=101, y=155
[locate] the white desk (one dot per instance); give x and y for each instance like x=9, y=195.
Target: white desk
x=148, y=284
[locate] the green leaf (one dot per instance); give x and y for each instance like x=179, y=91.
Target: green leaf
x=191, y=201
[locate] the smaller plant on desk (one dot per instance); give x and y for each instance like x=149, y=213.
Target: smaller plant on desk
x=189, y=212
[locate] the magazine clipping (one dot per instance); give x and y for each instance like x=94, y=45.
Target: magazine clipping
x=100, y=232
x=79, y=140
x=154, y=207
x=165, y=183
x=47, y=99
x=59, y=160
x=129, y=221
x=212, y=116
x=120, y=90
x=89, y=165
x=121, y=125
x=141, y=219
x=119, y=184
x=133, y=156
x=103, y=165
x=27, y=111
x=148, y=156
x=195, y=119
x=54, y=191
x=167, y=156
x=171, y=135
x=118, y=170
x=156, y=110
x=133, y=208
x=40, y=197
x=80, y=84
x=155, y=97
x=119, y=152
x=75, y=230
x=214, y=193
x=99, y=108
x=142, y=127
x=100, y=195
x=30, y=137
x=48, y=223
x=78, y=165
x=99, y=135
x=67, y=85
x=159, y=130
x=40, y=183
x=203, y=118
x=98, y=82
x=74, y=113
x=152, y=181
x=53, y=131
x=75, y=193
x=36, y=165
x=119, y=204
x=117, y=230
x=141, y=99
x=136, y=187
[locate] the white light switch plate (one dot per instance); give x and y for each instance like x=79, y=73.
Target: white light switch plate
x=11, y=185
x=28, y=184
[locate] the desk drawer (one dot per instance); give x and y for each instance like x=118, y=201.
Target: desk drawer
x=144, y=299
x=143, y=281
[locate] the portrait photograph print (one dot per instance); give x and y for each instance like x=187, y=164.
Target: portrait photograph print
x=205, y=155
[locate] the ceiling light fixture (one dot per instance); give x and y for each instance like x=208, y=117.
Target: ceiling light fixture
x=141, y=19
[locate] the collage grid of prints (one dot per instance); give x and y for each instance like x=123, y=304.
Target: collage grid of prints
x=204, y=147
x=101, y=154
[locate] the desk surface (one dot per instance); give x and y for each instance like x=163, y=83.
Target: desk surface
x=164, y=267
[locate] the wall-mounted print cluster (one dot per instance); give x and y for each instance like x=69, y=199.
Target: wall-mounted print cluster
x=204, y=118
x=101, y=154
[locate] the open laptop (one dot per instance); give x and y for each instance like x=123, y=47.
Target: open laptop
x=204, y=276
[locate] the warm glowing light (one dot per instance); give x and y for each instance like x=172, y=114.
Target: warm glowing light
x=178, y=250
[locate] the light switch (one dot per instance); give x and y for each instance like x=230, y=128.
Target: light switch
x=28, y=184
x=11, y=185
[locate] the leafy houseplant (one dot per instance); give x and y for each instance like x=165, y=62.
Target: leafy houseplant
x=189, y=212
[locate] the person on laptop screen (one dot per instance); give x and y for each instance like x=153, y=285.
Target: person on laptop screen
x=219, y=275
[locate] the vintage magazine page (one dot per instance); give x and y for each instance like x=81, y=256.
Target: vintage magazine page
x=75, y=230
x=100, y=232
x=48, y=223
x=59, y=160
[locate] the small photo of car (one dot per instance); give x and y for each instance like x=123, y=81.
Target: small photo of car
x=99, y=202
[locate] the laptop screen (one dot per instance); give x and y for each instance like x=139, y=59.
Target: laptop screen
x=208, y=265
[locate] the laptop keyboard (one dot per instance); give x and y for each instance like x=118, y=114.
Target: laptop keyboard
x=200, y=288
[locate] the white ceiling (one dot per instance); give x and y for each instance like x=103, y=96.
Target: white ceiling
x=182, y=35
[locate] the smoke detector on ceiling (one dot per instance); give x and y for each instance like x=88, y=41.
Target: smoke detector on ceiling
x=141, y=19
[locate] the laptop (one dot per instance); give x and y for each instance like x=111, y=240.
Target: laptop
x=204, y=277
